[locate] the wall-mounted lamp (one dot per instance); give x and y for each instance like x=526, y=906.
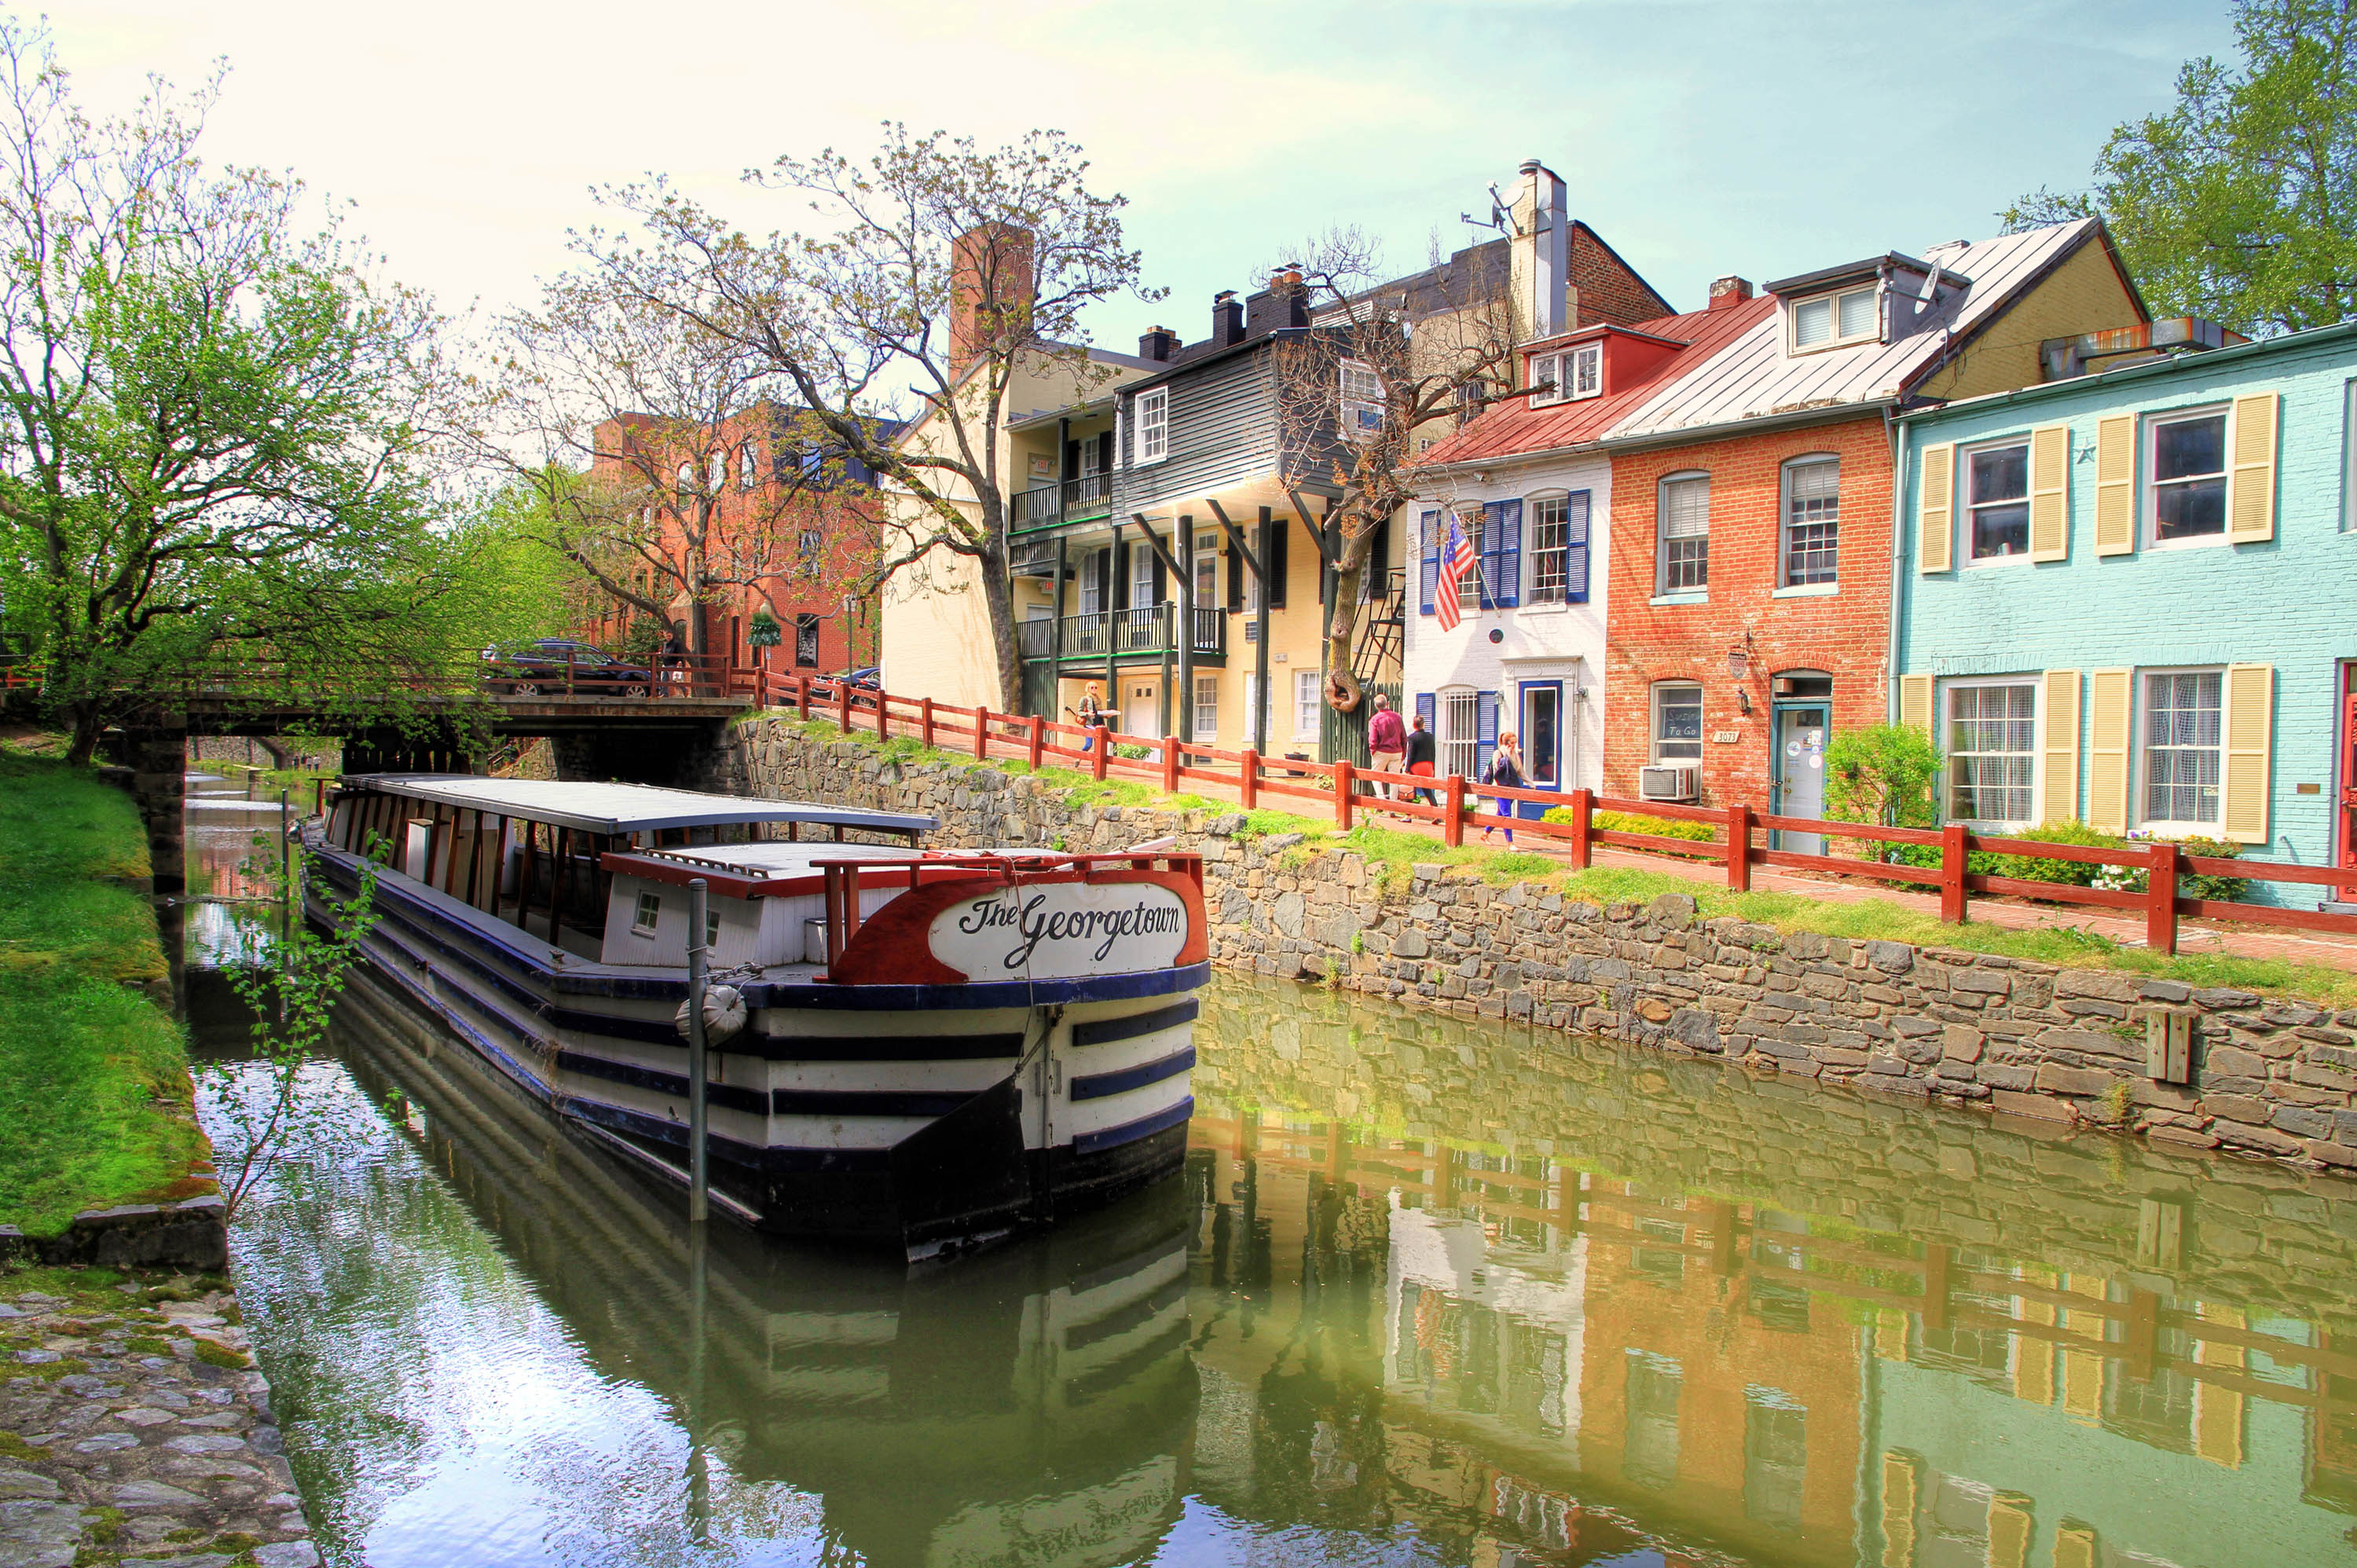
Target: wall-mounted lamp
x=1743, y=698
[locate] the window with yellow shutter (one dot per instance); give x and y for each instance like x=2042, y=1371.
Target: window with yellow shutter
x=2185, y=478
x=2180, y=723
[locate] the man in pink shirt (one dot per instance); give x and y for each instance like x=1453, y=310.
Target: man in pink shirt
x=1386, y=741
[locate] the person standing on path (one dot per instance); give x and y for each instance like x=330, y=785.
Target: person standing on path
x=1386, y=741
x=1506, y=773
x=1423, y=749
x=1091, y=714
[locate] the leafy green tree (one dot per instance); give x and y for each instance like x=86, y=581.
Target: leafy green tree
x=210, y=435
x=2240, y=202
x=1882, y=774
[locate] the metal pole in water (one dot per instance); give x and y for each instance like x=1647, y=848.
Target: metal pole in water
x=698, y=1175
x=286, y=872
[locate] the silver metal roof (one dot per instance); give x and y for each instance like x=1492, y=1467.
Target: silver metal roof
x=622, y=808
x=1754, y=377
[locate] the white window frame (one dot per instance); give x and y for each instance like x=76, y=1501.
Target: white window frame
x=1947, y=689
x=1207, y=576
x=1784, y=522
x=1568, y=375
x=2149, y=464
x=1662, y=588
x=1964, y=505
x=646, y=914
x=2140, y=779
x=748, y=464
x=1653, y=736
x=1352, y=422
x=1308, y=705
x=810, y=545
x=1206, y=706
x=716, y=471
x=1153, y=427
x=1534, y=551
x=1141, y=576
x=1832, y=300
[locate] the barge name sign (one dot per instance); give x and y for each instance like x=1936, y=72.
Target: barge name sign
x=1062, y=931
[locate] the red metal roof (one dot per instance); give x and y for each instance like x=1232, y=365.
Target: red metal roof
x=1511, y=426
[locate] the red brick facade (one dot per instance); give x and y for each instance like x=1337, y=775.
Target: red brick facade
x=1607, y=287
x=757, y=524
x=1842, y=635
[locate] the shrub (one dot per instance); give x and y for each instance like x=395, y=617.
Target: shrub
x=1636, y=823
x=1882, y=774
x=2069, y=873
x=1134, y=753
x=2230, y=889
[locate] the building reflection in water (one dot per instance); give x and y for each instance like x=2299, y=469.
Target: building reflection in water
x=1566, y=1301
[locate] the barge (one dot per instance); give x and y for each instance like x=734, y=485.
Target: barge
x=919, y=1049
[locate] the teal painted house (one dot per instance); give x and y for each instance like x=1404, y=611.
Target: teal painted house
x=2130, y=598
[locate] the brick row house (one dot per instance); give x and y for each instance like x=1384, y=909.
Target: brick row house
x=1684, y=524
x=780, y=538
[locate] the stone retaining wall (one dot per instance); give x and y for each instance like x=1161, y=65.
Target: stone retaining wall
x=2060, y=1045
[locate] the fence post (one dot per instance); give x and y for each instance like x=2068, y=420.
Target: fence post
x=883, y=714
x=801, y=698
x=842, y=706
x=1583, y=824
x=1038, y=740
x=1248, y=780
x=925, y=721
x=981, y=731
x=1343, y=785
x=1954, y=859
x=2161, y=899
x=1739, y=847
x=1103, y=749
x=1452, y=821
x=1170, y=765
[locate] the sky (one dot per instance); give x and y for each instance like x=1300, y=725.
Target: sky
x=1699, y=137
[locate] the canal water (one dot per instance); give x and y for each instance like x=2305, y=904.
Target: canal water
x=1428, y=1293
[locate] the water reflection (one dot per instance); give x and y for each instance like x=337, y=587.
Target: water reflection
x=1793, y=1328
x=1428, y=1293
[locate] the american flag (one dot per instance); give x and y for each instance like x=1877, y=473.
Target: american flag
x=1456, y=559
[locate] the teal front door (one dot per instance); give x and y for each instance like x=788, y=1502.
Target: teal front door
x=1799, y=771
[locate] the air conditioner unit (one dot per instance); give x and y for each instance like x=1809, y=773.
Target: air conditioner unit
x=1670, y=781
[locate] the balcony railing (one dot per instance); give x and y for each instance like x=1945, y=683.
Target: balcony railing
x=1144, y=630
x=1074, y=501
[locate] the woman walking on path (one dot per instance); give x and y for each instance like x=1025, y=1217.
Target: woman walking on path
x=1506, y=773
x=1091, y=712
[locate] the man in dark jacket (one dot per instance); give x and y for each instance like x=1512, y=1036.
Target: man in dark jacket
x=1422, y=749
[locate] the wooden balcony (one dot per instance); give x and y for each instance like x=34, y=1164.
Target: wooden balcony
x=1088, y=498
x=1143, y=633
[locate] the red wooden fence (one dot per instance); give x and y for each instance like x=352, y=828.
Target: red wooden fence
x=1348, y=792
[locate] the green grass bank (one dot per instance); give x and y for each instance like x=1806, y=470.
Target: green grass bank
x=95, y=1105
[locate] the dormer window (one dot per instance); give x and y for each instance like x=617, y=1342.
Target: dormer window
x=1568, y=377
x=1832, y=320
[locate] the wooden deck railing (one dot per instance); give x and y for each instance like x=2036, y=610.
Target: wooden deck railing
x=1345, y=792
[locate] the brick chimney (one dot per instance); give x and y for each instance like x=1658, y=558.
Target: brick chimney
x=1284, y=303
x=1227, y=318
x=1158, y=344
x=1729, y=292
x=991, y=289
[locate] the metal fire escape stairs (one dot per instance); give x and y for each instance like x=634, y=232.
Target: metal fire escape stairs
x=1381, y=644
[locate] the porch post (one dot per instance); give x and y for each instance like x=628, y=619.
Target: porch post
x=1265, y=702
x=1184, y=539
x=1056, y=623
x=1116, y=590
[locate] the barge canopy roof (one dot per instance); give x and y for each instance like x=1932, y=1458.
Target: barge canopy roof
x=619, y=808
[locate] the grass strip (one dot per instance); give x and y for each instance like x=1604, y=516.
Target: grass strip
x=94, y=1094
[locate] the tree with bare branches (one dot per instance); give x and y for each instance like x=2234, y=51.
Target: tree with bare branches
x=658, y=464
x=939, y=278
x=1386, y=366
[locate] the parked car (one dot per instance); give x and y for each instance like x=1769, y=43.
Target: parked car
x=551, y=663
x=870, y=677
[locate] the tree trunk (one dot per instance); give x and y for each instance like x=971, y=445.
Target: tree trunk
x=998, y=598
x=86, y=724
x=1342, y=690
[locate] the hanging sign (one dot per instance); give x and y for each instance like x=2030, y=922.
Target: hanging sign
x=1062, y=931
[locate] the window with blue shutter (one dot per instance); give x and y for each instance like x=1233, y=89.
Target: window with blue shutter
x=1574, y=549
x=1431, y=558
x=1485, y=731
x=1502, y=554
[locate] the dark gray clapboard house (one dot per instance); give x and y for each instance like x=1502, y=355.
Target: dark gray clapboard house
x=1190, y=577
